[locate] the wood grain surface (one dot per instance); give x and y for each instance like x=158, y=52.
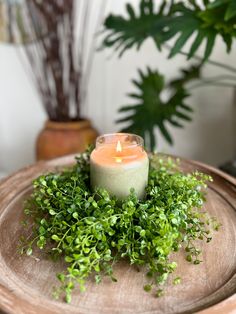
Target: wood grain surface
x=26, y=282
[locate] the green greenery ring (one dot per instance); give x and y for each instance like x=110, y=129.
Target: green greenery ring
x=92, y=230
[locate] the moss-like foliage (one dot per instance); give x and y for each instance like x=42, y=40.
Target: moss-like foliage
x=92, y=230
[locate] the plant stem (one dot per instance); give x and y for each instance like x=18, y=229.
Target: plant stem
x=215, y=81
x=205, y=83
x=220, y=78
x=211, y=62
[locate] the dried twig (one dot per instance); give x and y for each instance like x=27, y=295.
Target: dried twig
x=57, y=56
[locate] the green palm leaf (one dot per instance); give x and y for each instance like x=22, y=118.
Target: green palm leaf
x=181, y=20
x=192, y=73
x=124, y=33
x=151, y=112
x=231, y=11
x=230, y=5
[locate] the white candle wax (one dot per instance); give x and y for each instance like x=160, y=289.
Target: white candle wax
x=118, y=164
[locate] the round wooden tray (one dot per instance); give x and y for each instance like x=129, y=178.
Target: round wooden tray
x=26, y=282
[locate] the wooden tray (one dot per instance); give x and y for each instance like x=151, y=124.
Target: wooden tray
x=26, y=282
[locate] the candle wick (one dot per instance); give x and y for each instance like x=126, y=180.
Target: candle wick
x=118, y=147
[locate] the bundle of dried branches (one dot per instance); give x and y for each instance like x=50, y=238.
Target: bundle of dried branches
x=62, y=51
x=9, y=9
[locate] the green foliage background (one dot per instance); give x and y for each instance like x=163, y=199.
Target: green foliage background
x=181, y=21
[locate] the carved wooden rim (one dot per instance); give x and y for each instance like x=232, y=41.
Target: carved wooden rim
x=68, y=126
x=8, y=297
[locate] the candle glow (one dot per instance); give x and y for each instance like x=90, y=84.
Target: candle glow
x=118, y=164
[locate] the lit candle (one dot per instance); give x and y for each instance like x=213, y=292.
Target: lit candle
x=119, y=163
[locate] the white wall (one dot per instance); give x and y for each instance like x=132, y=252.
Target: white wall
x=209, y=138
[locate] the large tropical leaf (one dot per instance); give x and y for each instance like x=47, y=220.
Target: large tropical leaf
x=229, y=8
x=124, y=33
x=220, y=17
x=185, y=22
x=180, y=20
x=187, y=75
x=151, y=112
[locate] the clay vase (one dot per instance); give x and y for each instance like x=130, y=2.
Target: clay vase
x=64, y=138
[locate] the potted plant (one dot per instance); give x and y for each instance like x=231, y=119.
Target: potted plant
x=55, y=40
x=183, y=21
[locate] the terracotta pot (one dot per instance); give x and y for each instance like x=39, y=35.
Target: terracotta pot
x=63, y=138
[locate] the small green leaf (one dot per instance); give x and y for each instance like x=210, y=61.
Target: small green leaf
x=142, y=233
x=189, y=258
x=55, y=238
x=52, y=212
x=29, y=251
x=177, y=281
x=61, y=277
x=98, y=279
x=75, y=215
x=147, y=288
x=69, y=259
x=68, y=298
x=113, y=279
x=174, y=221
x=159, y=293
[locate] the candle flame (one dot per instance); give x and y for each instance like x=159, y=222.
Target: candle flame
x=118, y=147
x=118, y=150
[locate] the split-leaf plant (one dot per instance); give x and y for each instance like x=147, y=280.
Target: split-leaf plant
x=182, y=22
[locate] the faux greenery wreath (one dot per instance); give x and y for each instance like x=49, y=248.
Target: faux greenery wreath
x=92, y=230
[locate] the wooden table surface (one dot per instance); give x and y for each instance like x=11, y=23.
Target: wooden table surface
x=26, y=282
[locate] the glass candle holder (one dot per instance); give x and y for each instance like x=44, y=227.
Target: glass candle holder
x=119, y=163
